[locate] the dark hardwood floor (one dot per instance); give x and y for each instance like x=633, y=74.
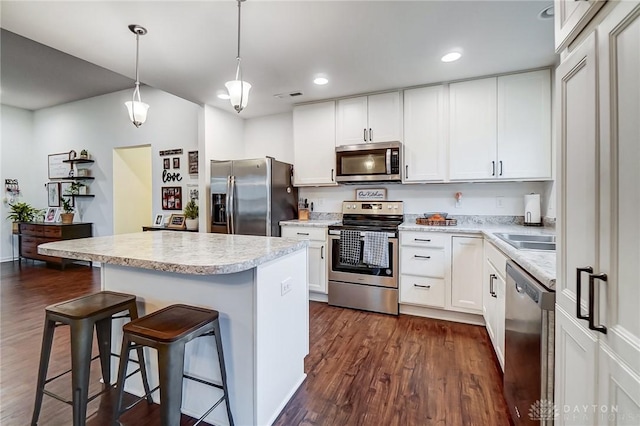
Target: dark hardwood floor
x=363, y=368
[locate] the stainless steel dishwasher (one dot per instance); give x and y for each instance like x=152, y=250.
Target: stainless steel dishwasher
x=529, y=341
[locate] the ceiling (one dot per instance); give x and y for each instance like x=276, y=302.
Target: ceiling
x=190, y=48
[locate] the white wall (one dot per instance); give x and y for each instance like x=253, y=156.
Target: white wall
x=17, y=151
x=132, y=188
x=270, y=136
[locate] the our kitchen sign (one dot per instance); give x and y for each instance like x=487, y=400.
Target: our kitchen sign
x=371, y=194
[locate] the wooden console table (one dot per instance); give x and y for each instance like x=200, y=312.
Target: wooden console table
x=32, y=234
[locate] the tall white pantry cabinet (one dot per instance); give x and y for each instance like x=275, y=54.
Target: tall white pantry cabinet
x=597, y=374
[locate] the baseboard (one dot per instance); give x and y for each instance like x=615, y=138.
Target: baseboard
x=442, y=314
x=318, y=297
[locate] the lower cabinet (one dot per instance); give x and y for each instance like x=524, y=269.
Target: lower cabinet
x=466, y=273
x=493, y=297
x=34, y=234
x=318, y=244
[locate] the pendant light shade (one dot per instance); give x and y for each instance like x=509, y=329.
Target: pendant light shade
x=238, y=89
x=137, y=109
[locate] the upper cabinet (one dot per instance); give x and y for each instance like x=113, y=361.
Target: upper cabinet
x=425, y=134
x=500, y=128
x=570, y=17
x=369, y=119
x=314, y=137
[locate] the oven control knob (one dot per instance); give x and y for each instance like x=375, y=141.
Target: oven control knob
x=348, y=207
x=389, y=206
x=354, y=206
x=395, y=207
x=388, y=271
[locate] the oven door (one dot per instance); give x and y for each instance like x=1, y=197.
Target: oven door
x=363, y=273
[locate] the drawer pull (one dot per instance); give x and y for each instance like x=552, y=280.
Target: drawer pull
x=422, y=286
x=421, y=240
x=302, y=233
x=421, y=257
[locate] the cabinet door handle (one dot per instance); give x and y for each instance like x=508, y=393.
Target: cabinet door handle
x=421, y=286
x=406, y=171
x=364, y=135
x=491, y=290
x=592, y=302
x=493, y=168
x=579, y=272
x=302, y=233
x=421, y=240
x=332, y=179
x=370, y=134
x=421, y=257
x=500, y=167
x=321, y=252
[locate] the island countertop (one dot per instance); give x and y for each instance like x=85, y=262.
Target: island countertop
x=182, y=252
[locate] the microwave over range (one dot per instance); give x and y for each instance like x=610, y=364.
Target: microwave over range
x=372, y=162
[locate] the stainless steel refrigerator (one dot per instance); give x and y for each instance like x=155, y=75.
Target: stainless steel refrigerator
x=251, y=197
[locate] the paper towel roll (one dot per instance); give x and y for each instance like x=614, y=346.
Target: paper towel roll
x=532, y=208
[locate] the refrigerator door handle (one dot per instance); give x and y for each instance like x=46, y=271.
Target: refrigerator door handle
x=228, y=209
x=232, y=197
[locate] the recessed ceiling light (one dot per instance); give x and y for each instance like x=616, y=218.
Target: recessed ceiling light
x=546, y=13
x=320, y=81
x=451, y=56
x=224, y=96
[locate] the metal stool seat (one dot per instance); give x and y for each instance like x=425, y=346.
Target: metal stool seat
x=82, y=315
x=168, y=331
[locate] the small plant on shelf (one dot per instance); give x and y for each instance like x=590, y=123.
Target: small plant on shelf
x=84, y=154
x=191, y=210
x=75, y=188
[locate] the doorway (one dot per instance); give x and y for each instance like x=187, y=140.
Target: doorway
x=132, y=189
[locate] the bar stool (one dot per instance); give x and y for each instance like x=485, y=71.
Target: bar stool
x=81, y=315
x=168, y=331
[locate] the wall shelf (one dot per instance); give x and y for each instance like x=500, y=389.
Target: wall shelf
x=79, y=161
x=80, y=195
x=75, y=178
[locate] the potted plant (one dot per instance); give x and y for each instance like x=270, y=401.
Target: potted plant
x=77, y=188
x=84, y=154
x=67, y=211
x=21, y=212
x=191, y=211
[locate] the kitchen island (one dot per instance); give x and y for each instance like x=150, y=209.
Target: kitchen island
x=259, y=286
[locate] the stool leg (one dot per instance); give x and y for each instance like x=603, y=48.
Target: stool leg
x=171, y=370
x=133, y=313
x=122, y=373
x=45, y=354
x=103, y=334
x=81, y=341
x=223, y=370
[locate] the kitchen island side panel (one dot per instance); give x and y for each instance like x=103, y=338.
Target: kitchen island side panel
x=233, y=296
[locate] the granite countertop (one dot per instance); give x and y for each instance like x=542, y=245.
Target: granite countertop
x=313, y=223
x=181, y=252
x=540, y=264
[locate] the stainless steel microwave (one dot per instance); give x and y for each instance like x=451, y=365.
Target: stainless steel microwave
x=371, y=162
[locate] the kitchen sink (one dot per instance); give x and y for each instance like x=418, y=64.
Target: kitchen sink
x=529, y=242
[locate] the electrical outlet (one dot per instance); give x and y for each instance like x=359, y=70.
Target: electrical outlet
x=285, y=286
x=500, y=202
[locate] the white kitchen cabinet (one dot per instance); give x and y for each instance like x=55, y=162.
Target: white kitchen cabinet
x=472, y=129
x=466, y=273
x=570, y=17
x=318, y=243
x=598, y=228
x=500, y=127
x=524, y=126
x=369, y=119
x=493, y=297
x=314, y=135
x=425, y=134
x=424, y=268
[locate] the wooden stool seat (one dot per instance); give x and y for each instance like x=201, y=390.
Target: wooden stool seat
x=168, y=331
x=82, y=315
x=172, y=323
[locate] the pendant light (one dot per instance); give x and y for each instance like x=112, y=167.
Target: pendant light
x=137, y=108
x=238, y=89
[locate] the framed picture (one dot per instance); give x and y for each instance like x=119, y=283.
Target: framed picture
x=159, y=220
x=176, y=162
x=176, y=221
x=57, y=167
x=53, y=194
x=193, y=162
x=51, y=214
x=166, y=164
x=171, y=198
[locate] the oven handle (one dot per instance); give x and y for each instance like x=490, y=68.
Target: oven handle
x=336, y=234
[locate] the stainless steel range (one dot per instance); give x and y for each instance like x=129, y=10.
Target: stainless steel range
x=361, y=275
